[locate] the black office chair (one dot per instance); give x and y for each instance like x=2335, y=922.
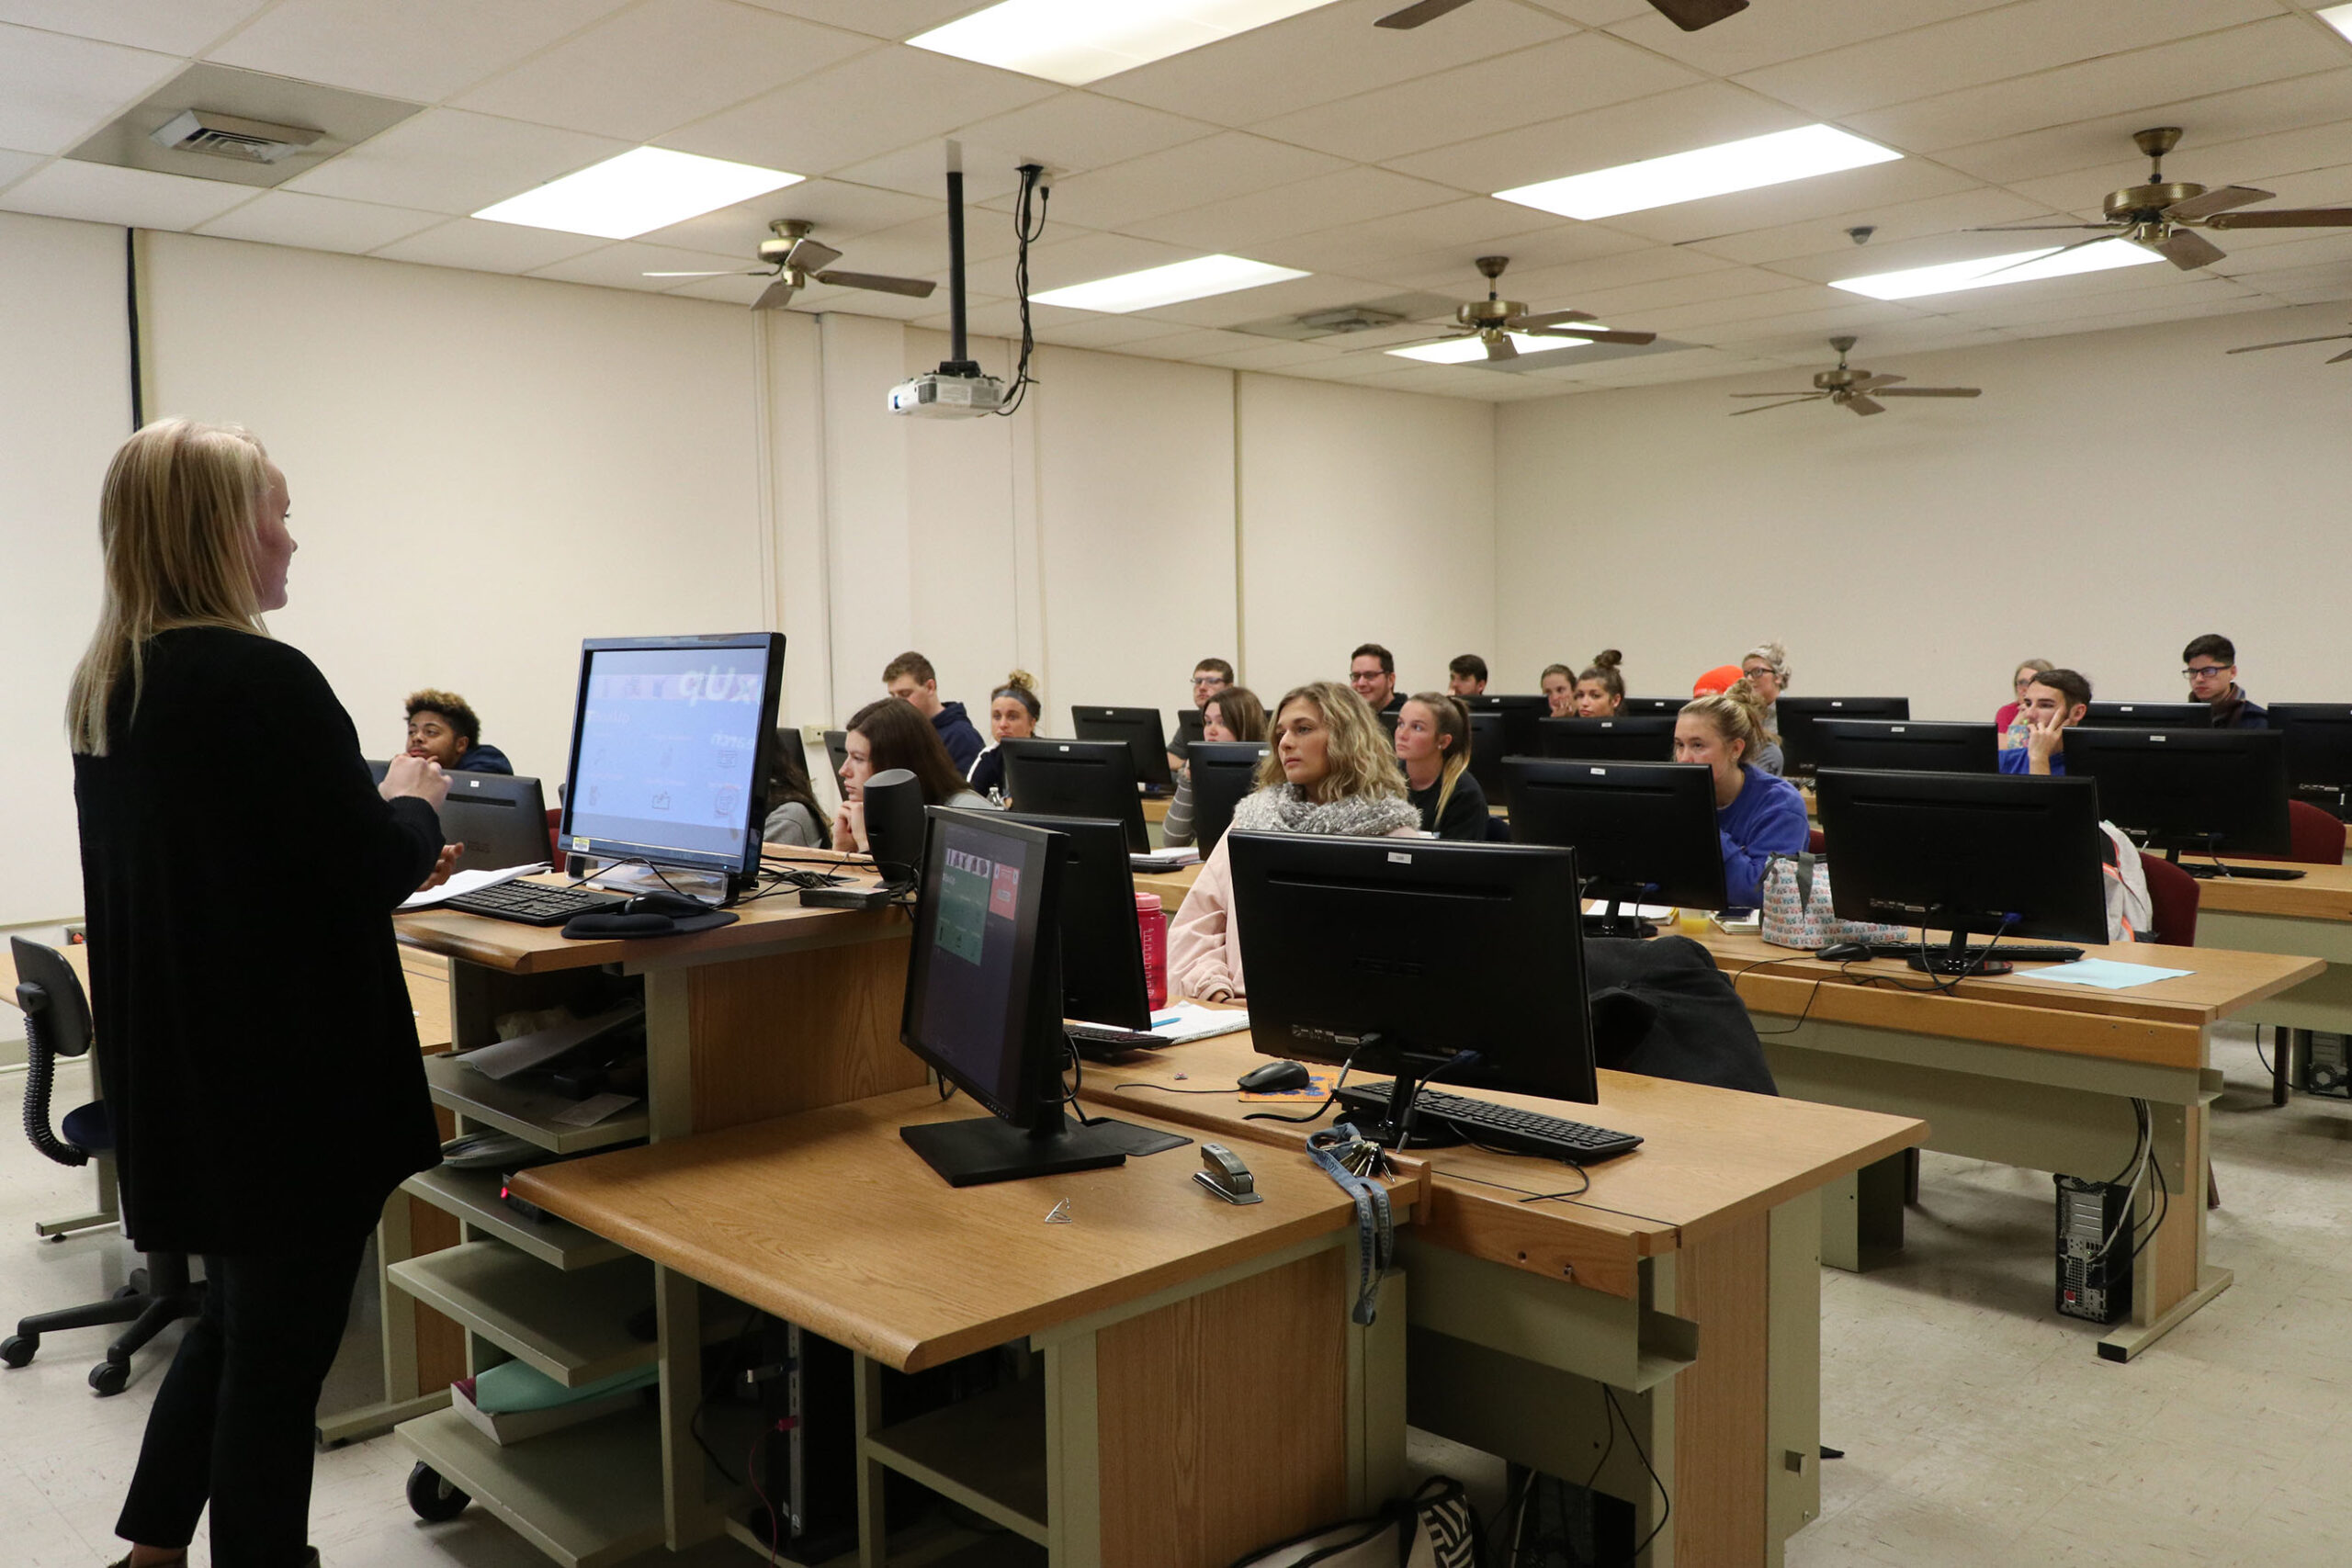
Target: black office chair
x=57, y=1023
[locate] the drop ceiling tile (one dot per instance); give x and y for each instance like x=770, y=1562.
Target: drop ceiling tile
x=1455, y=231
x=660, y=63
x=423, y=49
x=859, y=109
x=2320, y=291
x=1565, y=76
x=882, y=19
x=1990, y=46
x=1819, y=325
x=1076, y=130
x=1219, y=167
x=919, y=168
x=1455, y=268
x=1624, y=306
x=726, y=290
x=1768, y=35
x=858, y=302
x=1822, y=196
x=134, y=199
x=451, y=161
x=1077, y=258
x=56, y=90
x=2260, y=159
x=1844, y=260
x=1272, y=356
x=2212, y=119
x=1239, y=225
x=1079, y=329
x=1623, y=133
x=841, y=212
x=1692, y=320
x=171, y=27
x=319, y=222
x=2132, y=287
x=1561, y=287
x=1293, y=296
x=2159, y=316
x=1902, y=220
x=1190, y=344
x=2312, y=247
x=919, y=249
x=623, y=265
x=1594, y=13
x=1327, y=53
x=477, y=247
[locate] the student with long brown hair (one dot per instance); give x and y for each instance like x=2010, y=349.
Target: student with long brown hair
x=1757, y=815
x=1234, y=713
x=1601, y=689
x=890, y=733
x=1559, y=684
x=1433, y=748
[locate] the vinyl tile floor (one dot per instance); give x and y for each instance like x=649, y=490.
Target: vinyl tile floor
x=1979, y=1428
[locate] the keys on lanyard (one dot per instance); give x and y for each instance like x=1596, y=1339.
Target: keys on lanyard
x=1356, y=1163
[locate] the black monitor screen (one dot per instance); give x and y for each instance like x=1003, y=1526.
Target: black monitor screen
x=1644, y=738
x=2147, y=716
x=1224, y=773
x=982, y=927
x=1488, y=746
x=1102, y=945
x=2189, y=789
x=2319, y=752
x=1636, y=708
x=1137, y=729
x=671, y=744
x=1077, y=778
x=1793, y=717
x=1519, y=715
x=1907, y=745
x=501, y=820
x=1643, y=831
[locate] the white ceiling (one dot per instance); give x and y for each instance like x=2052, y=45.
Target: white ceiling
x=1321, y=142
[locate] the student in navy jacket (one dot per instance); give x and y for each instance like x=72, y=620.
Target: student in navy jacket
x=1757, y=815
x=910, y=678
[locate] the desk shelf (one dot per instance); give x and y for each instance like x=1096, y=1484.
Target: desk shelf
x=571, y=1325
x=472, y=1196
x=587, y=1496
x=986, y=1454
x=525, y=1113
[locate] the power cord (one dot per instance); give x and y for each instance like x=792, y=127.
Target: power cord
x=1027, y=226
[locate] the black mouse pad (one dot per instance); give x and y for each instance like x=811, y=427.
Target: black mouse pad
x=1134, y=1140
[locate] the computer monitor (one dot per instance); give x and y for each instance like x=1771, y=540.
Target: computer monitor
x=984, y=1003
x=1644, y=832
x=1139, y=729
x=1102, y=945
x=1394, y=955
x=671, y=746
x=2319, y=752
x=837, y=749
x=1224, y=773
x=2146, y=716
x=2206, y=790
x=1968, y=854
x=1521, y=714
x=1650, y=707
x=1388, y=717
x=1077, y=778
x=1189, y=723
x=1488, y=747
x=501, y=820
x=1907, y=745
x=1793, y=717
x=1646, y=738
x=789, y=744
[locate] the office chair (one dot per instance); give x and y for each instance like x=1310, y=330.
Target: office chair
x=57, y=1024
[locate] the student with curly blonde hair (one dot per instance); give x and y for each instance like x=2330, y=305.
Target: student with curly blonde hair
x=1331, y=772
x=1757, y=815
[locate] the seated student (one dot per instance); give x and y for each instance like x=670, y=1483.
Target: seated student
x=1433, y=748
x=1013, y=712
x=1210, y=676
x=890, y=733
x=1234, y=714
x=794, y=815
x=1559, y=684
x=1371, y=670
x=911, y=679
x=1330, y=772
x=2054, y=701
x=2212, y=668
x=442, y=727
x=1766, y=754
x=1757, y=815
x=1600, y=690
x=1466, y=676
x=2009, y=722
x=1767, y=669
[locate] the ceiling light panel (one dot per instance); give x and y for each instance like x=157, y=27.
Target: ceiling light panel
x=1463, y=350
x=1171, y=285
x=1747, y=165
x=2339, y=17
x=1986, y=272
x=1078, y=41
x=636, y=193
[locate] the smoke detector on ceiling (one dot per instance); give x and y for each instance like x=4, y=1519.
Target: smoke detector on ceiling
x=227, y=136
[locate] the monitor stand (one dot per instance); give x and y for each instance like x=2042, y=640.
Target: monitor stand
x=2216, y=869
x=1954, y=958
x=982, y=1149
x=1613, y=920
x=1402, y=1129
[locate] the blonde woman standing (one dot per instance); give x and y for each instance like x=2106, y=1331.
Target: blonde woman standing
x=1330, y=772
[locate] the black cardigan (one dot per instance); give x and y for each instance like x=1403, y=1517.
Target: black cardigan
x=1465, y=815
x=255, y=1043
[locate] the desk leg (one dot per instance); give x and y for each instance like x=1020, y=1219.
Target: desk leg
x=2171, y=1279
x=2283, y=1053
x=1864, y=1212
x=108, y=1213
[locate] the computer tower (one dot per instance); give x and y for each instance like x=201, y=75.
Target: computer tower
x=2093, y=1279
x=2327, y=1063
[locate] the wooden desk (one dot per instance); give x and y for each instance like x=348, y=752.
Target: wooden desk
x=1172, y=885
x=1154, y=1435
x=2023, y=1071
x=1699, y=1261
x=2310, y=917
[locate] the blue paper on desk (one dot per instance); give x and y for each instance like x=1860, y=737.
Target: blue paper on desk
x=2108, y=975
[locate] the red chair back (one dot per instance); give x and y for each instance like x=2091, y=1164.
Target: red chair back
x=2314, y=837
x=2172, y=894
x=1814, y=841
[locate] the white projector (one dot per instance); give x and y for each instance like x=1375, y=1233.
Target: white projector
x=934, y=395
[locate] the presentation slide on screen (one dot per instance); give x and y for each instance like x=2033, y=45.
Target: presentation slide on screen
x=668, y=738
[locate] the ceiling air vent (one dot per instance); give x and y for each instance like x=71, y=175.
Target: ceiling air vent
x=226, y=136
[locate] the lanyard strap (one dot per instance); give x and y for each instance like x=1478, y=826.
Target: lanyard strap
x=1375, y=1231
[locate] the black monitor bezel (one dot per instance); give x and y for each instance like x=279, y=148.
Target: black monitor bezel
x=1219, y=752
x=2266, y=752
x=1794, y=716
x=1854, y=730
x=1149, y=755
x=1553, y=733
x=1698, y=863
x=2303, y=723
x=2145, y=716
x=1130, y=813
x=1102, y=930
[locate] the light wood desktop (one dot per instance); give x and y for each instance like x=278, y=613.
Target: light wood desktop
x=2022, y=1071
x=1687, y=1277
x=2310, y=917
x=1204, y=1392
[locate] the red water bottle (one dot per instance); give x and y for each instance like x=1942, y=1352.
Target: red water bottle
x=1152, y=921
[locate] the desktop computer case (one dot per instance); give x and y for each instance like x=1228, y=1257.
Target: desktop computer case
x=2327, y=1069
x=2093, y=1285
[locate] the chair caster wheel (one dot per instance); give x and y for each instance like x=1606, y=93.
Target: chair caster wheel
x=136, y=1285
x=433, y=1498
x=109, y=1377
x=17, y=1349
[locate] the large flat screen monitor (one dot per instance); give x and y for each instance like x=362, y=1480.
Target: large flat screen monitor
x=2202, y=790
x=1644, y=738
x=1224, y=773
x=1644, y=832
x=1794, y=716
x=1077, y=778
x=2319, y=752
x=1906, y=745
x=1102, y=945
x=1139, y=729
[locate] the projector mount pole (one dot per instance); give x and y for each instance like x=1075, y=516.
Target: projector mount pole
x=958, y=362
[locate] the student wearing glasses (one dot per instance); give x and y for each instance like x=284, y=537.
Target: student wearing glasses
x=2211, y=671
x=1757, y=815
x=1210, y=676
x=2010, y=720
x=1371, y=670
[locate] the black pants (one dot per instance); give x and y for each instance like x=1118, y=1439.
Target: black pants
x=234, y=1423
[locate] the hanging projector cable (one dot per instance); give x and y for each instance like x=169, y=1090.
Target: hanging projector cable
x=959, y=389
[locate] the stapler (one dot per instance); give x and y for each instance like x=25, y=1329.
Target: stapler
x=1225, y=1176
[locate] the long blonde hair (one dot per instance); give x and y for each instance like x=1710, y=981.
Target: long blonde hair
x=1452, y=724
x=1359, y=756
x=1737, y=713
x=177, y=521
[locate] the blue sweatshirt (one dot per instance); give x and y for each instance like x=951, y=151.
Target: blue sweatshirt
x=1766, y=819
x=2021, y=760
x=956, y=732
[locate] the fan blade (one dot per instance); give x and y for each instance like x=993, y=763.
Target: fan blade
x=2291, y=342
x=2284, y=217
x=1865, y=406
x=1872, y=383
x=1693, y=15
x=807, y=256
x=1808, y=398
x=776, y=296
x=1596, y=335
x=1773, y=395
x=1499, y=346
x=2214, y=201
x=2029, y=261
x=1551, y=319
x=1414, y=15
x=2033, y=227
x=1929, y=392
x=2186, y=249
x=912, y=287
x=1413, y=342
x=2340, y=358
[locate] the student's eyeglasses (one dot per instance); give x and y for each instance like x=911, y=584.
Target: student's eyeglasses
x=2194, y=670
x=1758, y=669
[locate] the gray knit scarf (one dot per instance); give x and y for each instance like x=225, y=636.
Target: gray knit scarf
x=1282, y=809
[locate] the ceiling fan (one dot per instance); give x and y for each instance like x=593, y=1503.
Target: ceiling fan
x=2158, y=216
x=796, y=260
x=2293, y=342
x=1495, y=321
x=1856, y=390
x=1688, y=15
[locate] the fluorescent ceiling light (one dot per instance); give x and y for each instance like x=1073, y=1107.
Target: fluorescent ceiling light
x=637, y=193
x=1078, y=41
x=1771, y=160
x=1170, y=285
x=2339, y=17
x=2022, y=266
x=1461, y=350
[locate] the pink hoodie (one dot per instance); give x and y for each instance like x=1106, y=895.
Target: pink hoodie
x=1203, y=945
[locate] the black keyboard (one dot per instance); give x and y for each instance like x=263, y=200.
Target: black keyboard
x=2014, y=952
x=2208, y=871
x=533, y=903
x=1485, y=1121
x=1104, y=1041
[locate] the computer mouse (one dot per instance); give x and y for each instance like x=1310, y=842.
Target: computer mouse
x=1843, y=951
x=1274, y=1077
